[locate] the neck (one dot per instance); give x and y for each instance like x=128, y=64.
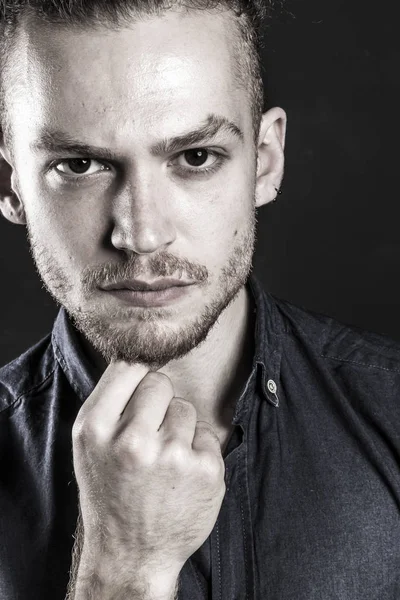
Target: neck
x=213, y=375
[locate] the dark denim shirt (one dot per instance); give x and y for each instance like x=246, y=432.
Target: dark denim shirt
x=311, y=510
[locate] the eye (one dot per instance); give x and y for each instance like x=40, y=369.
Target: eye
x=78, y=166
x=199, y=162
x=196, y=158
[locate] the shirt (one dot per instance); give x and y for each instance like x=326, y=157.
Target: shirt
x=311, y=509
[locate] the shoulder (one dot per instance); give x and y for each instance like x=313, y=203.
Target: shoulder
x=27, y=374
x=336, y=341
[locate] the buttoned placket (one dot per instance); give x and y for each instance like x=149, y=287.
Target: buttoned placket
x=233, y=565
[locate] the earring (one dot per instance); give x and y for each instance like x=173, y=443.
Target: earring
x=278, y=193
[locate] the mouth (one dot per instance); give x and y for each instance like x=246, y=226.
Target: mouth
x=150, y=298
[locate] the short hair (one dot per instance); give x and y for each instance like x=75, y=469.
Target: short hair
x=248, y=15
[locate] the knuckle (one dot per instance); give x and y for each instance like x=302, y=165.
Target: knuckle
x=80, y=430
x=77, y=429
x=95, y=432
x=128, y=442
x=130, y=446
x=176, y=452
x=212, y=466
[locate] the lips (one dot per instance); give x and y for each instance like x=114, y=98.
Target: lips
x=143, y=286
x=150, y=299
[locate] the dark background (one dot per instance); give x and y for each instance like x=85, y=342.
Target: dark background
x=331, y=243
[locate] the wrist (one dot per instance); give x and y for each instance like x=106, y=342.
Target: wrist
x=113, y=578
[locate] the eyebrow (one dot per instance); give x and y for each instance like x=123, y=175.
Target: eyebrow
x=59, y=141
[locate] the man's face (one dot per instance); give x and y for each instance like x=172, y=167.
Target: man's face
x=147, y=212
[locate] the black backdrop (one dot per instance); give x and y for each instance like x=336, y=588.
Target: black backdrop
x=331, y=243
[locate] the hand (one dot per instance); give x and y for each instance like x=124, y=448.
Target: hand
x=150, y=476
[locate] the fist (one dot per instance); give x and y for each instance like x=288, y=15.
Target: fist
x=150, y=475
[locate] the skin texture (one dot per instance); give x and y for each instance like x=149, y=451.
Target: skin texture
x=145, y=216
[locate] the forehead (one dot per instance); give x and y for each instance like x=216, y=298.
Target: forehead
x=169, y=70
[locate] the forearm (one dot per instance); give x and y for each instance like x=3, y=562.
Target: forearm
x=92, y=579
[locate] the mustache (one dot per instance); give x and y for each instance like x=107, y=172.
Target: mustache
x=162, y=265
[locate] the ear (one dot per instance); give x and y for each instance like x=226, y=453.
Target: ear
x=270, y=155
x=10, y=203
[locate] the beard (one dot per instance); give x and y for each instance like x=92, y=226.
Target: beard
x=144, y=335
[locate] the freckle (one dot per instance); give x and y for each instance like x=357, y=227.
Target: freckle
x=235, y=234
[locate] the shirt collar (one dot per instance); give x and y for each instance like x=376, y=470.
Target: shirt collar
x=83, y=375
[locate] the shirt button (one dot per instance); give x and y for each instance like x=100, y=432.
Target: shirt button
x=271, y=386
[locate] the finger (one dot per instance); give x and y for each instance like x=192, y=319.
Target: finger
x=179, y=421
x=113, y=391
x=205, y=439
x=146, y=409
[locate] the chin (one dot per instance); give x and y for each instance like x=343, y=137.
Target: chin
x=152, y=336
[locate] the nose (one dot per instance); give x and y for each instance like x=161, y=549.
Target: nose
x=143, y=218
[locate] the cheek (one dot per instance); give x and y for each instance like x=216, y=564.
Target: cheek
x=63, y=243
x=59, y=221
x=221, y=230
x=230, y=212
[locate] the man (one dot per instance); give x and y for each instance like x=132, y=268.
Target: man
x=203, y=438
